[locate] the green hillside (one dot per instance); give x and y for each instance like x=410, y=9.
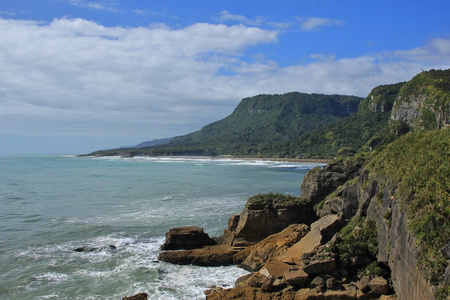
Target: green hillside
x=257, y=121
x=316, y=125
x=368, y=127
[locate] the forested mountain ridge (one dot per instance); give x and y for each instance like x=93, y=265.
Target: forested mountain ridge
x=255, y=122
x=315, y=125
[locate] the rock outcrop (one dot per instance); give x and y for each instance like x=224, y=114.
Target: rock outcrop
x=264, y=215
x=191, y=237
x=218, y=255
x=320, y=182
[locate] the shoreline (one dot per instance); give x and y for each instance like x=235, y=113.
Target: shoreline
x=223, y=157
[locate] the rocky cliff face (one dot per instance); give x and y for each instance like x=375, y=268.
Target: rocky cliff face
x=424, y=102
x=378, y=200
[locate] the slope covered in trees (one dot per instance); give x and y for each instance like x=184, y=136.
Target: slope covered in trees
x=315, y=125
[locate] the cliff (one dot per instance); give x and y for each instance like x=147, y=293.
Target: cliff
x=405, y=190
x=424, y=102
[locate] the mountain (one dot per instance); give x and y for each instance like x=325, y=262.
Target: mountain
x=257, y=121
x=315, y=125
x=155, y=142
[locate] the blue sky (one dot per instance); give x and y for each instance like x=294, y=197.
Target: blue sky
x=78, y=75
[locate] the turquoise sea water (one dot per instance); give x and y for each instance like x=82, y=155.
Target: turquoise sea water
x=51, y=205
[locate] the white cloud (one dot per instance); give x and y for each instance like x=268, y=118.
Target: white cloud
x=314, y=23
x=98, y=5
x=73, y=76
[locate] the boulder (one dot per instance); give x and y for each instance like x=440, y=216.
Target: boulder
x=363, y=283
x=218, y=255
x=254, y=257
x=249, y=293
x=321, y=232
x=320, y=266
x=295, y=277
x=274, y=269
x=379, y=285
x=317, y=281
x=191, y=237
x=141, y=296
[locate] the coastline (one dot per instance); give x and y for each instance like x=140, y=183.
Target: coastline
x=294, y=160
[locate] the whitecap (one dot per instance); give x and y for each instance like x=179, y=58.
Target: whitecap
x=52, y=277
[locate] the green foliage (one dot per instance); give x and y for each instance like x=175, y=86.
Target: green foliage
x=276, y=198
x=372, y=270
x=359, y=237
x=260, y=126
x=433, y=88
x=443, y=293
x=419, y=163
x=369, y=126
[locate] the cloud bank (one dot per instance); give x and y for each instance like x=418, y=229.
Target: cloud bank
x=77, y=77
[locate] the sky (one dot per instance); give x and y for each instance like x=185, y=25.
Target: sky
x=82, y=75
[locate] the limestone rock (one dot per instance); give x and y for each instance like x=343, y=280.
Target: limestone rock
x=259, y=220
x=296, y=277
x=317, y=281
x=275, y=269
x=218, y=255
x=363, y=283
x=318, y=184
x=191, y=237
x=321, y=232
x=254, y=257
x=320, y=266
x=388, y=297
x=379, y=285
x=331, y=282
x=249, y=293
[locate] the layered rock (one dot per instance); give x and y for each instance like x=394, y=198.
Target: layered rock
x=320, y=182
x=218, y=255
x=264, y=215
x=191, y=237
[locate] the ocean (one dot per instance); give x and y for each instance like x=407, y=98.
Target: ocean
x=118, y=210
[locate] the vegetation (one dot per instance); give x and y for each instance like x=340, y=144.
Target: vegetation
x=393, y=132
x=257, y=127
x=272, y=198
x=419, y=163
x=358, y=238
x=434, y=88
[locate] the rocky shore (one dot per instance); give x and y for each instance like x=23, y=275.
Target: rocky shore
x=333, y=242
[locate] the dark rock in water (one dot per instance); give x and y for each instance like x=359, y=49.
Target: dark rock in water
x=92, y=249
x=85, y=249
x=141, y=296
x=187, y=238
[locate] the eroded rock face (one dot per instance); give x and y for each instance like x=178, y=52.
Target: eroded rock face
x=254, y=257
x=259, y=220
x=218, y=255
x=398, y=247
x=191, y=237
x=318, y=184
